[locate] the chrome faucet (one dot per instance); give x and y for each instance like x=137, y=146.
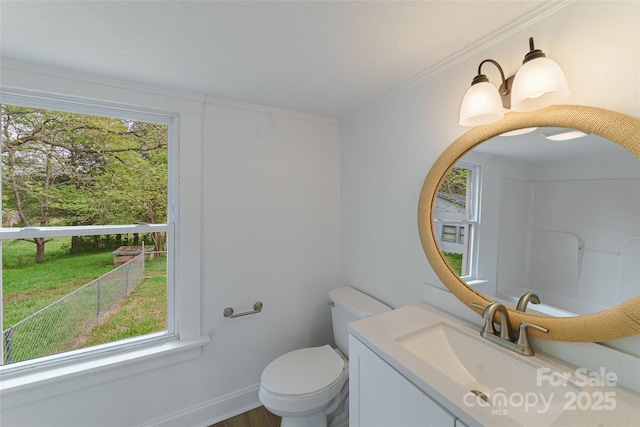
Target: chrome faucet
x=520, y=344
x=526, y=298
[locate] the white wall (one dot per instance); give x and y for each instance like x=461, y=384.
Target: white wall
x=566, y=200
x=271, y=234
x=388, y=148
x=270, y=228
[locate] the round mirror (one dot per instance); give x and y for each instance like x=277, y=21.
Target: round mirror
x=560, y=217
x=570, y=233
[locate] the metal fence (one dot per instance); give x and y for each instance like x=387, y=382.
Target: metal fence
x=66, y=324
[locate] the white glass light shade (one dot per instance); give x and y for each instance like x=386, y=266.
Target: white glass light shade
x=517, y=132
x=566, y=135
x=538, y=84
x=481, y=105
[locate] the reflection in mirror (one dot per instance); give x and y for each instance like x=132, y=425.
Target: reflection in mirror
x=455, y=217
x=558, y=218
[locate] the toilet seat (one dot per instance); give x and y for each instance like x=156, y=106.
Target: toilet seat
x=310, y=387
x=303, y=372
x=304, y=381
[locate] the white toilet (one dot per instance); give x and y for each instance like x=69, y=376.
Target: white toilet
x=309, y=387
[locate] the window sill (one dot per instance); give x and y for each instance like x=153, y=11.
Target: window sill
x=477, y=283
x=40, y=381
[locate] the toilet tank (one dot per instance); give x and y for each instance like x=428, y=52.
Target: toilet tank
x=348, y=305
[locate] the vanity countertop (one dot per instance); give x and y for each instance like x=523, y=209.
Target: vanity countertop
x=595, y=402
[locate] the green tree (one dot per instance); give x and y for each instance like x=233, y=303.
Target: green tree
x=73, y=169
x=455, y=181
x=454, y=187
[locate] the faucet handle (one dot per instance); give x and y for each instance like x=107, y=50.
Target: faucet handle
x=523, y=337
x=474, y=305
x=524, y=325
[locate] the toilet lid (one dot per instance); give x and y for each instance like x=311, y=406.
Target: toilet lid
x=303, y=371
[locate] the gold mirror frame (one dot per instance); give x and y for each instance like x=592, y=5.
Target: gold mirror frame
x=617, y=322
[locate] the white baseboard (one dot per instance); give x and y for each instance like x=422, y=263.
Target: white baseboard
x=213, y=411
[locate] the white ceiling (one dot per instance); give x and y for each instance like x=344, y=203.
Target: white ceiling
x=320, y=57
x=532, y=147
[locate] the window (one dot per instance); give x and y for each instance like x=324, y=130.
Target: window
x=88, y=217
x=449, y=233
x=452, y=233
x=456, y=217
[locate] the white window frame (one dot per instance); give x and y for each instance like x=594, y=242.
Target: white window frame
x=471, y=222
x=183, y=339
x=31, y=232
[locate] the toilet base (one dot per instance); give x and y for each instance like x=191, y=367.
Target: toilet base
x=335, y=415
x=317, y=420
x=340, y=417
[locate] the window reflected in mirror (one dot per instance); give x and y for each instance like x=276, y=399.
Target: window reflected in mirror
x=455, y=216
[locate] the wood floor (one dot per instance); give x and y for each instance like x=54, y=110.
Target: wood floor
x=258, y=417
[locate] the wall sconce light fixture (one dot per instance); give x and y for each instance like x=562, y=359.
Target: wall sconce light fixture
x=538, y=83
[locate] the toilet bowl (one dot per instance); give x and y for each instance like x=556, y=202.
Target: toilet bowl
x=307, y=384
x=309, y=387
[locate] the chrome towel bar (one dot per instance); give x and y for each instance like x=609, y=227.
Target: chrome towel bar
x=228, y=312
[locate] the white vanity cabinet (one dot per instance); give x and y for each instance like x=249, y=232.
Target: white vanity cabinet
x=379, y=396
x=417, y=365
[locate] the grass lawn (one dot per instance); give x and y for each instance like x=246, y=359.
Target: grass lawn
x=28, y=287
x=454, y=260
x=144, y=312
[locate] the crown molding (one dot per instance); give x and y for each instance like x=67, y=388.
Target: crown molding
x=240, y=105
x=14, y=74
x=535, y=15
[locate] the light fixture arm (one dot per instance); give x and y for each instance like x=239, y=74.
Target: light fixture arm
x=503, y=87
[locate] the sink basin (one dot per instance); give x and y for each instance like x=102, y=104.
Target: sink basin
x=490, y=376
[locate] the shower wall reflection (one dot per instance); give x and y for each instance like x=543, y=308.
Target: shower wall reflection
x=561, y=219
